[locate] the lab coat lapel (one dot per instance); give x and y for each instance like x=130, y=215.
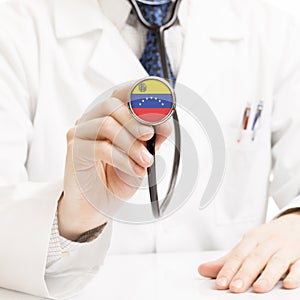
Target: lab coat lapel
x=200, y=64
x=74, y=18
x=211, y=26
x=113, y=59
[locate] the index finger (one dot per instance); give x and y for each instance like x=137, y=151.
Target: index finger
x=116, y=107
x=98, y=112
x=234, y=261
x=162, y=131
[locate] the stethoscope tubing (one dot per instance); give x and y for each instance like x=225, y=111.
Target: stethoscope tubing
x=159, y=30
x=158, y=210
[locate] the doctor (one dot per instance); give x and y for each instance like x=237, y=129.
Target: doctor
x=57, y=56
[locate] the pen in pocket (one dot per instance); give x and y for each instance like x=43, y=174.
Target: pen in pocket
x=245, y=121
x=256, y=119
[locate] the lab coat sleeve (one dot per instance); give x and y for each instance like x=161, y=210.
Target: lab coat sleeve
x=285, y=186
x=79, y=263
x=27, y=209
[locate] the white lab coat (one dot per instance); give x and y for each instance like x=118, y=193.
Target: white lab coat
x=57, y=56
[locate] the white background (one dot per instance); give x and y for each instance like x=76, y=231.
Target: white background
x=293, y=7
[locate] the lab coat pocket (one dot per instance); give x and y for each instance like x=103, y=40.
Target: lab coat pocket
x=243, y=194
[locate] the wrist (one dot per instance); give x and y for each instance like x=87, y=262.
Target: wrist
x=74, y=220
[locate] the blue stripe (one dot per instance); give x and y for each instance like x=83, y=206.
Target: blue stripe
x=151, y=101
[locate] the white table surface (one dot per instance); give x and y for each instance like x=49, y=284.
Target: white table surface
x=158, y=277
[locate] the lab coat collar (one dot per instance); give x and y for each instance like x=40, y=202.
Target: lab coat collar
x=117, y=11
x=74, y=18
x=208, y=22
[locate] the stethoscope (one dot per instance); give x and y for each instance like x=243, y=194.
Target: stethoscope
x=157, y=209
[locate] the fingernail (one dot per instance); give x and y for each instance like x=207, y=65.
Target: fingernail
x=147, y=157
x=237, y=284
x=223, y=282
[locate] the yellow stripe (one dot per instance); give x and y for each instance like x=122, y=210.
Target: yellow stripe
x=152, y=87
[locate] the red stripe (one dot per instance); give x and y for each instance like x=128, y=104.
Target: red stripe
x=151, y=114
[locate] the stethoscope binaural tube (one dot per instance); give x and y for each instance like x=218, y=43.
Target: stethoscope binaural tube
x=157, y=209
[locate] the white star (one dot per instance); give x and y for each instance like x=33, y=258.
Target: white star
x=151, y=97
x=159, y=101
x=140, y=104
x=155, y=98
x=162, y=104
x=143, y=100
x=146, y=98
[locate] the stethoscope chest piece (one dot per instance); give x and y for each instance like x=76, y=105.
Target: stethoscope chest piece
x=152, y=101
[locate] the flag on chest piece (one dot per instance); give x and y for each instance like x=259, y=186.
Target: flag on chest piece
x=152, y=101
